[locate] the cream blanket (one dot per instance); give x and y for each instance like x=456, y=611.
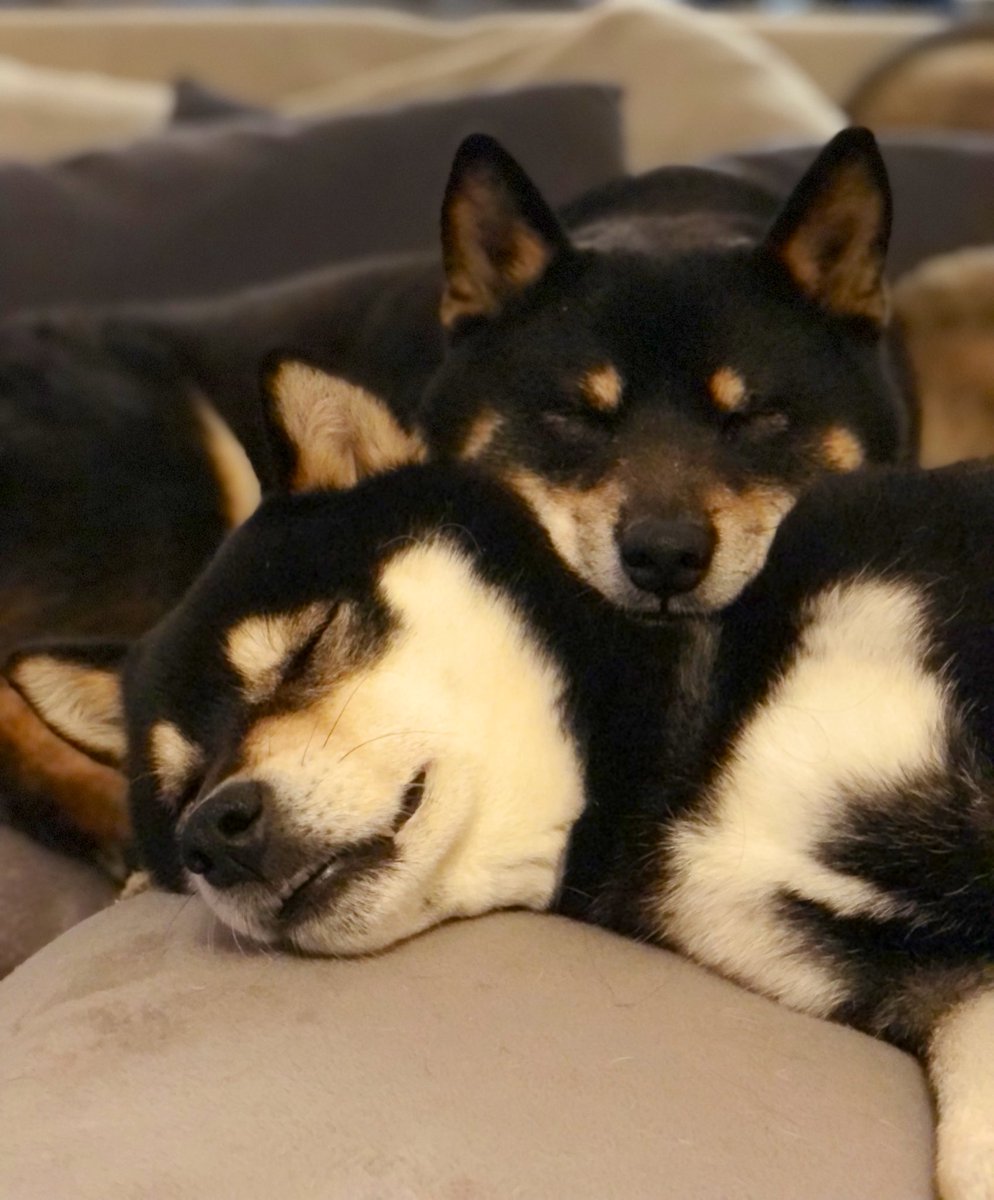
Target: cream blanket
x=695, y=83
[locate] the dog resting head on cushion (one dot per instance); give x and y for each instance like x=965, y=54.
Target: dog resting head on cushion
x=385, y=707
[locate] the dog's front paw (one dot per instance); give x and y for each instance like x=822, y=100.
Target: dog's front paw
x=136, y=883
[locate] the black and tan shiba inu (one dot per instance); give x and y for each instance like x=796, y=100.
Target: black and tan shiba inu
x=661, y=369
x=659, y=372
x=390, y=706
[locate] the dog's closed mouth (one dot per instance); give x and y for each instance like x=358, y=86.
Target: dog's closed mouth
x=331, y=876
x=318, y=888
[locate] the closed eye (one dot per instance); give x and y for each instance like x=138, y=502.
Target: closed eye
x=755, y=421
x=298, y=660
x=579, y=424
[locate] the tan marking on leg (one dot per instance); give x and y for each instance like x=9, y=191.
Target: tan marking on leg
x=480, y=435
x=602, y=387
x=137, y=883
x=727, y=389
x=174, y=757
x=841, y=449
x=237, y=481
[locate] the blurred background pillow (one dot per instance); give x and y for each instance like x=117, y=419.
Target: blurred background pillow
x=207, y=207
x=45, y=112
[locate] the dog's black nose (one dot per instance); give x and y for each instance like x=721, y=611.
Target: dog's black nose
x=666, y=556
x=224, y=839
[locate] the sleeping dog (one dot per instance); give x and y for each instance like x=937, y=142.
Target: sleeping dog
x=659, y=372
x=389, y=706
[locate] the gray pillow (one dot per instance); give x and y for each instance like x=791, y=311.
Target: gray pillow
x=207, y=207
x=943, y=184
x=147, y=1055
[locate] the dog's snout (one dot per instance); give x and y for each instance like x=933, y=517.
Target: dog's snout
x=666, y=556
x=225, y=837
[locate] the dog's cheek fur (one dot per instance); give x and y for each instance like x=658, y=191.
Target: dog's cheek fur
x=580, y=522
x=745, y=523
x=175, y=758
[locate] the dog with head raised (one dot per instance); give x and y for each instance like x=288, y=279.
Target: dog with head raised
x=664, y=369
x=385, y=707
x=661, y=369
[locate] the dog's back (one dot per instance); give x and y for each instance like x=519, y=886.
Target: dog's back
x=117, y=483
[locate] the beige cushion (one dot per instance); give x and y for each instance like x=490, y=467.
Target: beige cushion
x=41, y=895
x=836, y=46
x=946, y=311
x=44, y=112
x=696, y=83
x=514, y=1056
x=945, y=81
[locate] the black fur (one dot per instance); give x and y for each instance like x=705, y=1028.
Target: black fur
x=666, y=278
x=658, y=712
x=112, y=507
x=108, y=499
x=656, y=709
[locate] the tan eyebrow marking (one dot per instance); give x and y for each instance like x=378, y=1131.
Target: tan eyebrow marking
x=174, y=757
x=842, y=450
x=258, y=647
x=728, y=389
x=480, y=435
x=602, y=387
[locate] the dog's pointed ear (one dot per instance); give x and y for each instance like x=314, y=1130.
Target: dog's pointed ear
x=832, y=234
x=498, y=234
x=327, y=433
x=75, y=688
